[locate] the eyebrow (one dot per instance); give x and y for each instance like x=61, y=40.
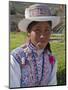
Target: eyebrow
x=45, y=27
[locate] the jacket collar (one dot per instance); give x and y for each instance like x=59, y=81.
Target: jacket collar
x=34, y=49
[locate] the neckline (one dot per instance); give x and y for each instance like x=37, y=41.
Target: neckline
x=33, y=47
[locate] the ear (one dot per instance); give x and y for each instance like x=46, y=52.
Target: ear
x=28, y=34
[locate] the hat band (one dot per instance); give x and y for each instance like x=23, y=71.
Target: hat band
x=37, y=12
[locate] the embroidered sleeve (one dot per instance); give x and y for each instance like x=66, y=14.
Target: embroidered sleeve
x=15, y=73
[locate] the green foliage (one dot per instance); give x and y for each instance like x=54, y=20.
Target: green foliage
x=58, y=50
x=17, y=39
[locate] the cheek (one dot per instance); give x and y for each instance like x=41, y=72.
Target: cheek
x=48, y=36
x=33, y=36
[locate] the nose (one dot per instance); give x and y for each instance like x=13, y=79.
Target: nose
x=41, y=36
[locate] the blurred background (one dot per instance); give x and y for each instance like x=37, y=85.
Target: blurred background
x=58, y=36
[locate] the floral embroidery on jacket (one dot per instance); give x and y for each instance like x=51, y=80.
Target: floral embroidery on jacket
x=32, y=66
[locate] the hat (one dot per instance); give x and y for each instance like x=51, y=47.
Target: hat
x=37, y=12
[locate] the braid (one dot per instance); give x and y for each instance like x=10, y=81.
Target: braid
x=48, y=47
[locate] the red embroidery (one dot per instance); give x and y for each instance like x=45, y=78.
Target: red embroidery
x=52, y=59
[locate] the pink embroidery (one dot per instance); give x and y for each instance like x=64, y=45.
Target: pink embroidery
x=52, y=59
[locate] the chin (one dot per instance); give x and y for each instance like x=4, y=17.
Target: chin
x=41, y=46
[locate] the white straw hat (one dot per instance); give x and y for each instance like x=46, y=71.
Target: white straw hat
x=37, y=12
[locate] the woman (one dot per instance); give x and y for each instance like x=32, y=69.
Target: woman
x=33, y=64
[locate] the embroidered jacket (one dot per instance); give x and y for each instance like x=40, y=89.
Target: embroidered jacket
x=28, y=68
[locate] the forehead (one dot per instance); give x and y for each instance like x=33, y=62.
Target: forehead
x=42, y=24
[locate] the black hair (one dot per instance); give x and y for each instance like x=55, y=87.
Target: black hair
x=34, y=23
x=31, y=25
x=29, y=30
x=48, y=47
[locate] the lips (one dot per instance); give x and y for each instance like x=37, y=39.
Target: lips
x=42, y=40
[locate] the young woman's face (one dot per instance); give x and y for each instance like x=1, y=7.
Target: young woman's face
x=40, y=34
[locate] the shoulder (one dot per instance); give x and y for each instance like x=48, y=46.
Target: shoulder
x=18, y=52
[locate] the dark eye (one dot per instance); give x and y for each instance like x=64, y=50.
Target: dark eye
x=48, y=30
x=37, y=30
x=45, y=31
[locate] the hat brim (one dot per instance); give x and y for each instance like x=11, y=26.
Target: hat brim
x=23, y=24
